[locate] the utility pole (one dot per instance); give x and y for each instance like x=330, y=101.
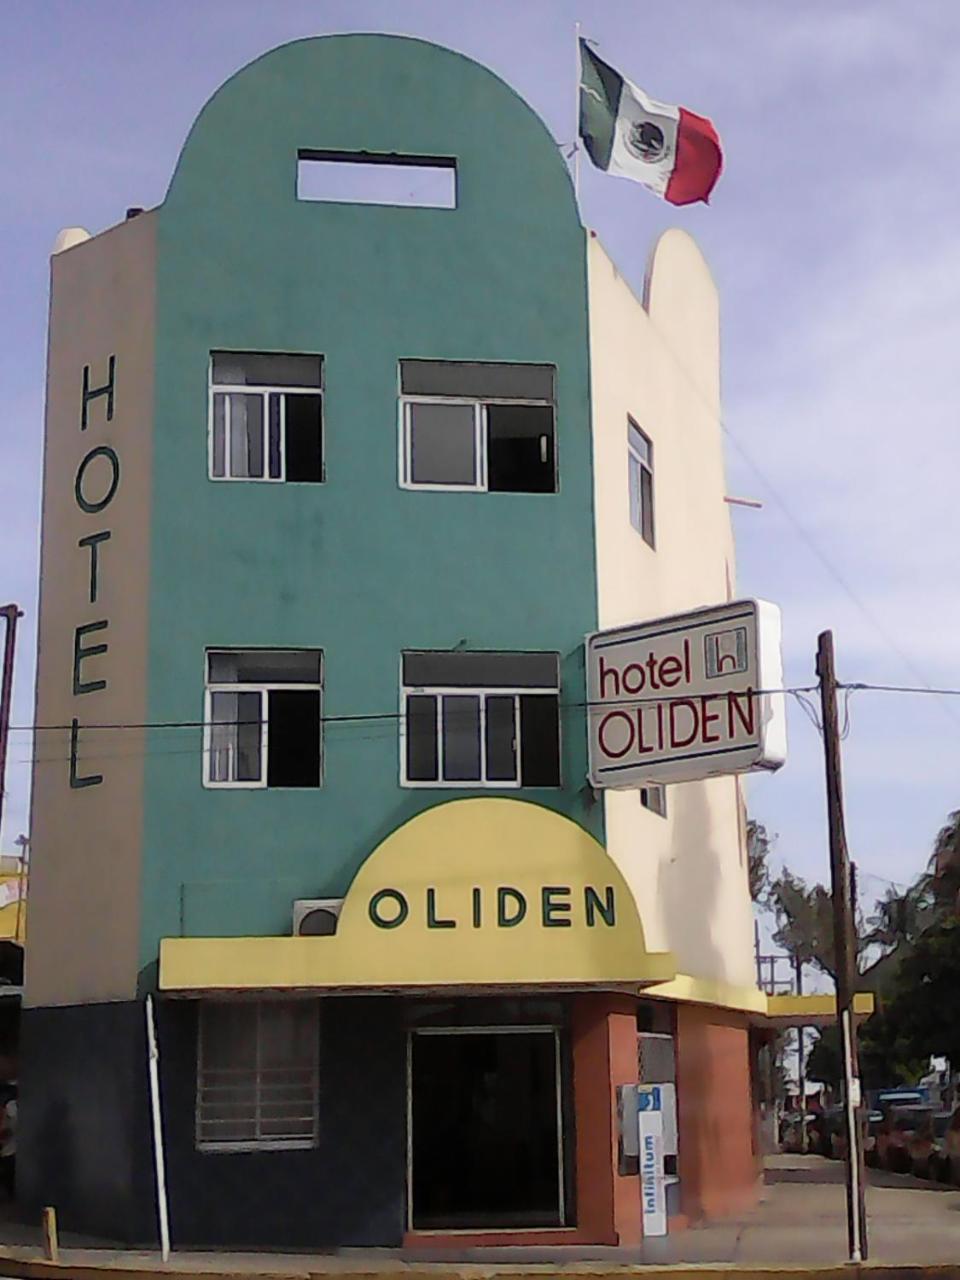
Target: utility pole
x=11, y=612
x=845, y=949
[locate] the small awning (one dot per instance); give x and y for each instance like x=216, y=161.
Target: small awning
x=490, y=893
x=812, y=1010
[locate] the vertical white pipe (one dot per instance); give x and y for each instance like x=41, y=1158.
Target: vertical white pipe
x=158, y=1156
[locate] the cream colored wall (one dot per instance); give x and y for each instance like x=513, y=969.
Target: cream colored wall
x=659, y=363
x=86, y=841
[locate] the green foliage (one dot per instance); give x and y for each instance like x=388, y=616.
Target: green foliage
x=758, y=852
x=804, y=920
x=886, y=1055
x=925, y=1001
x=945, y=865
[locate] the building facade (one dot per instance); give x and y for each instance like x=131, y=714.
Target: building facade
x=333, y=492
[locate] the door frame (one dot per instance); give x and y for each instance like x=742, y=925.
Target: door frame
x=542, y=1028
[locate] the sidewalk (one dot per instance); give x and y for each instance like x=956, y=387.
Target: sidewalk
x=800, y=1223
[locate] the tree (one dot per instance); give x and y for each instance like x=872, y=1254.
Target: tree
x=886, y=1054
x=945, y=865
x=804, y=921
x=925, y=1004
x=758, y=852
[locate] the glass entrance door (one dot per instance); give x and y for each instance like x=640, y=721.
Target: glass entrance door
x=485, y=1136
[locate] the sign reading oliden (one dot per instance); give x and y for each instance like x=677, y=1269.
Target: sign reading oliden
x=687, y=697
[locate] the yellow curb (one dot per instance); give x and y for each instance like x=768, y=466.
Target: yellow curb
x=41, y=1269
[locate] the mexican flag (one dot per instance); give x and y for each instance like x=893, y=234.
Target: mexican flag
x=669, y=149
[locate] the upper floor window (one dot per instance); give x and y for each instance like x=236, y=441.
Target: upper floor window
x=654, y=797
x=257, y=1074
x=480, y=719
x=640, y=464
x=266, y=416
x=486, y=427
x=263, y=718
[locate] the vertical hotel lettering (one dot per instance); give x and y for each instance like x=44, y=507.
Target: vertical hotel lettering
x=94, y=489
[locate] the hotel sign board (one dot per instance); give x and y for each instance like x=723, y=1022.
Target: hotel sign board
x=687, y=697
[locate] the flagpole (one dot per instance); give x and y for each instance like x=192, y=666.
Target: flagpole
x=576, y=120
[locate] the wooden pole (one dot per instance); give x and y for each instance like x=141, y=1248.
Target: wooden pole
x=845, y=950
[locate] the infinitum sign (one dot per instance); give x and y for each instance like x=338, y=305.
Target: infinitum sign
x=687, y=697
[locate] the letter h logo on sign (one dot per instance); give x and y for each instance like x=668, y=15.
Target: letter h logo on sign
x=725, y=652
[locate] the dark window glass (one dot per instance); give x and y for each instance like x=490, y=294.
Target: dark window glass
x=494, y=381
x=461, y=738
x=273, y=435
x=293, y=738
x=501, y=735
x=481, y=670
x=443, y=446
x=219, y=435
x=248, y=737
x=539, y=740
x=250, y=368
x=246, y=436
x=520, y=448
x=646, y=505
x=421, y=738
x=654, y=798
x=304, y=452
x=265, y=666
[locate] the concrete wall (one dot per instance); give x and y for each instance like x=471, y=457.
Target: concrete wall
x=356, y=566
x=719, y=1168
x=86, y=835
x=659, y=364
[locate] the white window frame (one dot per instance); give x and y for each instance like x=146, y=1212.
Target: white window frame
x=645, y=791
x=258, y=1144
x=645, y=464
x=225, y=686
x=480, y=439
x=264, y=391
x=482, y=692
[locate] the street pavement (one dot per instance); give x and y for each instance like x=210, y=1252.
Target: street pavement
x=801, y=1221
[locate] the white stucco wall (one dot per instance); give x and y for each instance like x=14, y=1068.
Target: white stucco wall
x=659, y=363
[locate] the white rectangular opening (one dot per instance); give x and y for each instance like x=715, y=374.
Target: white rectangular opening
x=366, y=177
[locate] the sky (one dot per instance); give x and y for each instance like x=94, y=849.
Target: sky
x=834, y=239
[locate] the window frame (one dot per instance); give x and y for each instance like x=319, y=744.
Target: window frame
x=264, y=391
x=481, y=441
x=661, y=790
x=263, y=688
x=240, y=1145
x=482, y=692
x=645, y=464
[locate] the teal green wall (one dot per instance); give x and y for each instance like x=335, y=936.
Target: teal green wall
x=355, y=566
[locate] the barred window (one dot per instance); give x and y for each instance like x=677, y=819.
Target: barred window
x=257, y=1074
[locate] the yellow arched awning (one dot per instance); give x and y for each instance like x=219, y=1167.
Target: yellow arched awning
x=481, y=892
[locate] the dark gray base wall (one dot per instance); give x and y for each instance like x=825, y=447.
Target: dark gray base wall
x=83, y=1139
x=350, y=1190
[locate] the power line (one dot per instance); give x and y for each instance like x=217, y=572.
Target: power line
x=367, y=717
x=801, y=529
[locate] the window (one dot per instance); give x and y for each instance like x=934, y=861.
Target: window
x=487, y=427
x=480, y=719
x=263, y=722
x=364, y=177
x=266, y=417
x=654, y=798
x=640, y=465
x=257, y=1074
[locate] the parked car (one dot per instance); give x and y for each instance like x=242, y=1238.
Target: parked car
x=897, y=1131
x=874, y=1121
x=950, y=1150
x=791, y=1130
x=925, y=1146
x=821, y=1131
